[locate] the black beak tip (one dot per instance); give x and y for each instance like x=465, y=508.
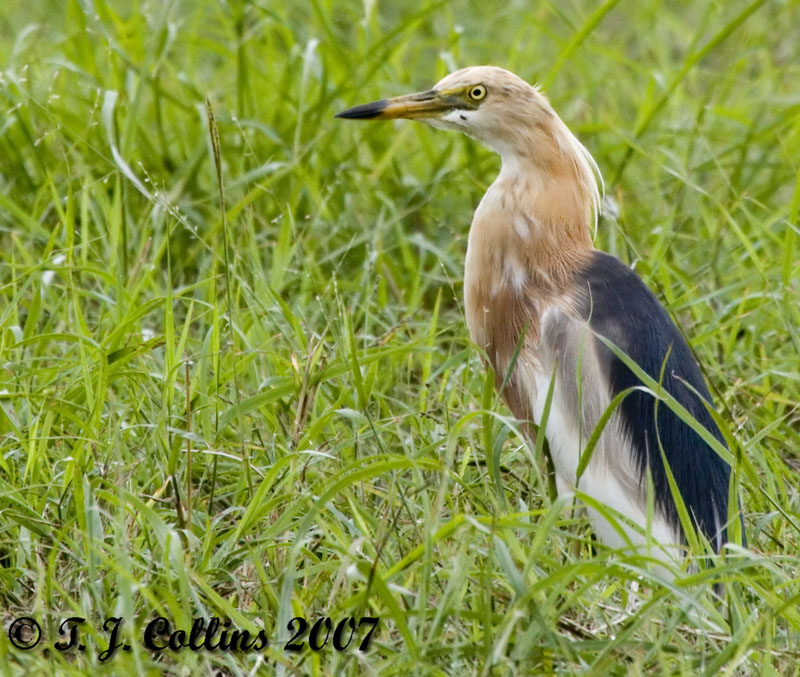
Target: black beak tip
x=365, y=111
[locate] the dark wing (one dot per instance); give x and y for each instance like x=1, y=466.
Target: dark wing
x=620, y=307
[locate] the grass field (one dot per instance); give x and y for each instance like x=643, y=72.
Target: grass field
x=255, y=397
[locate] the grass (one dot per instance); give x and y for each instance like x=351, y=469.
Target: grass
x=251, y=395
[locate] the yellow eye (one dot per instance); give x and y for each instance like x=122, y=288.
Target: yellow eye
x=477, y=92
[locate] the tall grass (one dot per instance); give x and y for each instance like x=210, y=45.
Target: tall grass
x=236, y=380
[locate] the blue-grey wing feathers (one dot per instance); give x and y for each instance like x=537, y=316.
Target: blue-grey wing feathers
x=618, y=305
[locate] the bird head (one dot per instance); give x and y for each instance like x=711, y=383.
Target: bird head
x=486, y=102
x=509, y=116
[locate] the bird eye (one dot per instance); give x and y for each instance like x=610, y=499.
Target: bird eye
x=477, y=92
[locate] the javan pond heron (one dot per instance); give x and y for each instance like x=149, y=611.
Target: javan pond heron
x=547, y=307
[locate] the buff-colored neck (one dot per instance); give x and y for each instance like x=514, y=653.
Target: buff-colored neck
x=542, y=207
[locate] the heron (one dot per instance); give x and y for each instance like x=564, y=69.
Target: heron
x=556, y=317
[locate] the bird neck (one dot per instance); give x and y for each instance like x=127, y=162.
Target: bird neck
x=529, y=235
x=547, y=211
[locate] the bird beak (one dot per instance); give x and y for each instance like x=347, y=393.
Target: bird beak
x=430, y=104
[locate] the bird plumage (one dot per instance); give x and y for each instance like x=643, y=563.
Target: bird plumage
x=537, y=295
